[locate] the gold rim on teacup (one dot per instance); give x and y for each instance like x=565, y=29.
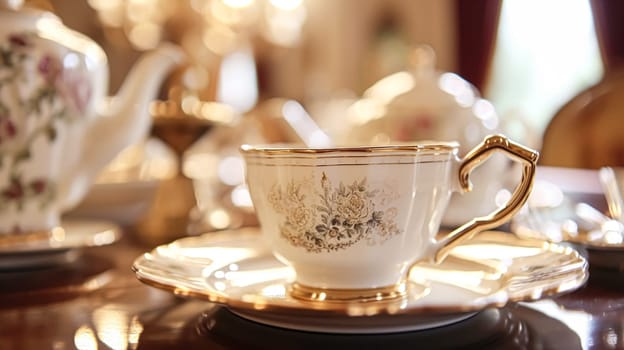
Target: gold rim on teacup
x=285, y=149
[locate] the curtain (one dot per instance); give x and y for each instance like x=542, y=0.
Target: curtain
x=609, y=25
x=477, y=24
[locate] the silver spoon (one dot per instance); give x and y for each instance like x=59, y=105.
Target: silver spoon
x=612, y=191
x=611, y=231
x=304, y=126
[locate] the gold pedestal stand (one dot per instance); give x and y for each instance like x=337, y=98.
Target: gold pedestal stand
x=179, y=121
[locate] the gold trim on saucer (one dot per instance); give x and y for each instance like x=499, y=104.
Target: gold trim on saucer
x=10, y=239
x=72, y=233
x=237, y=269
x=332, y=295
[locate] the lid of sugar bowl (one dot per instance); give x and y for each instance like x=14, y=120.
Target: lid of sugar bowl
x=421, y=103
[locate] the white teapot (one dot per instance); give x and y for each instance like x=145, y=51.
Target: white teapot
x=423, y=103
x=58, y=128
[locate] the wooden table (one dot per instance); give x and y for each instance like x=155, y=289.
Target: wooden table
x=97, y=303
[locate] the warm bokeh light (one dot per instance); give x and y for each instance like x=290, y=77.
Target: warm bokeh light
x=236, y=13
x=484, y=110
x=274, y=291
x=388, y=88
x=58, y=234
x=105, y=237
x=365, y=110
x=195, y=166
x=84, y=339
x=145, y=35
x=238, y=86
x=241, y=198
x=141, y=20
x=219, y=219
x=196, y=77
x=144, y=11
x=284, y=21
x=226, y=25
x=237, y=3
x=287, y=5
x=134, y=332
x=219, y=38
x=219, y=113
x=232, y=170
x=459, y=88
x=113, y=327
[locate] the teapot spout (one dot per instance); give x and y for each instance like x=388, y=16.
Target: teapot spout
x=125, y=116
x=123, y=119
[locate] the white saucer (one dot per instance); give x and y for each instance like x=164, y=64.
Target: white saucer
x=236, y=269
x=549, y=226
x=562, y=209
x=60, y=247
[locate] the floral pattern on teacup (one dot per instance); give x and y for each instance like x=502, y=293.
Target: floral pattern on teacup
x=339, y=217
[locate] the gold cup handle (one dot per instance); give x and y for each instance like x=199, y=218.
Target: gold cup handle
x=517, y=152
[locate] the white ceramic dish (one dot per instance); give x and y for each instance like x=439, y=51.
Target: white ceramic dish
x=63, y=246
x=126, y=189
x=562, y=209
x=123, y=202
x=235, y=268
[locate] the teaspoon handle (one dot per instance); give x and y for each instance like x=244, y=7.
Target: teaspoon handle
x=612, y=192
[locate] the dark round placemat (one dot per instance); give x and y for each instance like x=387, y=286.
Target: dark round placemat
x=512, y=327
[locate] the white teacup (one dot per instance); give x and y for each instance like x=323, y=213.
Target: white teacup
x=351, y=221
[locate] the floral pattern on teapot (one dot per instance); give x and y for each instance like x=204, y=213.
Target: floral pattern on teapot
x=339, y=217
x=38, y=92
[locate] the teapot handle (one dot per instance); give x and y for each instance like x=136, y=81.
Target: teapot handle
x=493, y=143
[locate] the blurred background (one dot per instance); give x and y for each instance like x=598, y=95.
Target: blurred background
x=258, y=70
x=527, y=57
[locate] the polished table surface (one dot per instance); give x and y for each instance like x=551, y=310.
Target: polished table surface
x=97, y=303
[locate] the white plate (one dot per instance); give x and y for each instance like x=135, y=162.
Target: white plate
x=236, y=269
x=561, y=210
x=122, y=202
x=127, y=187
x=62, y=246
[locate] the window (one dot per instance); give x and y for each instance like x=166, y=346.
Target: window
x=546, y=53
